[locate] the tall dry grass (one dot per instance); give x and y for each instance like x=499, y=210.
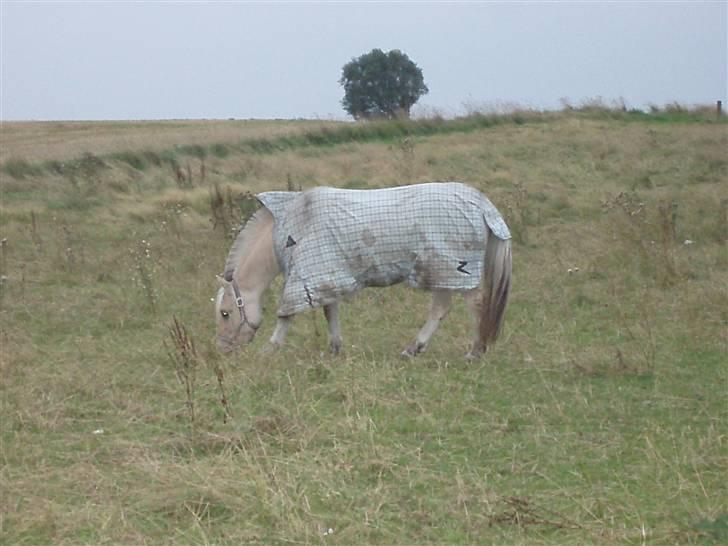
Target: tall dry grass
x=597, y=419
x=66, y=140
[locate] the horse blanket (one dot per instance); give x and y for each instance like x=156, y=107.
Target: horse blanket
x=332, y=242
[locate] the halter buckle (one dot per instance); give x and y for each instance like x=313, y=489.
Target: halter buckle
x=239, y=302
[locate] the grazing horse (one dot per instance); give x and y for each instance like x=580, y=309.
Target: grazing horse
x=329, y=243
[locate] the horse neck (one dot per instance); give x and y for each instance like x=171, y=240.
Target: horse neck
x=258, y=268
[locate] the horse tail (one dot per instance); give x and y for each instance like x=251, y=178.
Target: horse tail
x=496, y=287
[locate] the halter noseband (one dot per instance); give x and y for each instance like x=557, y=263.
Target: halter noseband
x=240, y=304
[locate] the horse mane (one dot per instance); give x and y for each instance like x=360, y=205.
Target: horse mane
x=245, y=239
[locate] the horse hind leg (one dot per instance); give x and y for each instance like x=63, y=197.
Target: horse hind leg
x=439, y=308
x=474, y=302
x=331, y=312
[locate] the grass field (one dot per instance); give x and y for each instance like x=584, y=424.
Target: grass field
x=600, y=417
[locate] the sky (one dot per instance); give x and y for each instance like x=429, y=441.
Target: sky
x=217, y=60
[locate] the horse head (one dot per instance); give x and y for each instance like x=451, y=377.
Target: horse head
x=238, y=315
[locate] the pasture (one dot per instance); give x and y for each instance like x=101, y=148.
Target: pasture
x=600, y=416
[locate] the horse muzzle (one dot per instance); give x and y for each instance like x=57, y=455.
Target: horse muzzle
x=227, y=344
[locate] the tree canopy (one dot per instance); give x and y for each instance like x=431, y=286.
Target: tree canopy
x=379, y=84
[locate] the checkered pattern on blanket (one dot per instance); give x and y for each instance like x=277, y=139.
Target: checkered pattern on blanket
x=332, y=242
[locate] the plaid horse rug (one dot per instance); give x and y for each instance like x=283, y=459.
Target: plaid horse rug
x=333, y=242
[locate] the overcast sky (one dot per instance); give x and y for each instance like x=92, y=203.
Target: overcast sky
x=159, y=60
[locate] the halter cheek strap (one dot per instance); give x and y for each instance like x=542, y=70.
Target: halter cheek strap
x=240, y=304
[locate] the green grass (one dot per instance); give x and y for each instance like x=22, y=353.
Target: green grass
x=599, y=417
x=385, y=130
x=20, y=168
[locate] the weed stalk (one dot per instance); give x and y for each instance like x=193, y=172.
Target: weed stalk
x=668, y=235
x=217, y=369
x=183, y=356
x=144, y=269
x=519, y=213
x=34, y=232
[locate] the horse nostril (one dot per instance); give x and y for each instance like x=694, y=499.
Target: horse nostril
x=224, y=348
x=223, y=344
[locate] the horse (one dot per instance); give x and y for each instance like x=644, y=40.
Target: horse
x=329, y=243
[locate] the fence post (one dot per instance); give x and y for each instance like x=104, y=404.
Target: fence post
x=719, y=108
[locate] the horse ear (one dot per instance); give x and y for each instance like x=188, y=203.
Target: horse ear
x=221, y=281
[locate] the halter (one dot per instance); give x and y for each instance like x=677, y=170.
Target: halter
x=240, y=304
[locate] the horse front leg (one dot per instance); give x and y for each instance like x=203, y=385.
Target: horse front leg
x=331, y=312
x=279, y=334
x=439, y=308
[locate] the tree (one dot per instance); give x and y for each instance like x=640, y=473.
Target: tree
x=379, y=84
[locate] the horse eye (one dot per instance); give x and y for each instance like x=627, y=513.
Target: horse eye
x=225, y=314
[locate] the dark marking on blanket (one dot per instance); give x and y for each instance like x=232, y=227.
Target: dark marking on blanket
x=327, y=293
x=290, y=242
x=306, y=209
x=368, y=238
x=461, y=267
x=308, y=295
x=424, y=275
x=459, y=244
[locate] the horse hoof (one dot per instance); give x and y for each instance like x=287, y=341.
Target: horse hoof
x=475, y=354
x=270, y=349
x=413, y=350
